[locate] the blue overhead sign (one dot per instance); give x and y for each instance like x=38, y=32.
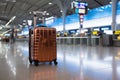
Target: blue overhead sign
x=96, y=13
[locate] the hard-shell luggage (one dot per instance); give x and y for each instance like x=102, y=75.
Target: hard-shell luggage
x=42, y=45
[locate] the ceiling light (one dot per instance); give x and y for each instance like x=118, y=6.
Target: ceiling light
x=11, y=0
x=24, y=20
x=61, y=11
x=49, y=3
x=10, y=20
x=29, y=22
x=111, y=2
x=0, y=28
x=24, y=24
x=50, y=18
x=40, y=19
x=30, y=12
x=47, y=13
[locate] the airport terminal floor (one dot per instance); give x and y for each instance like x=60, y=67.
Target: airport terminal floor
x=75, y=62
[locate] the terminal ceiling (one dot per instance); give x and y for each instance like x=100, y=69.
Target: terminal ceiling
x=23, y=9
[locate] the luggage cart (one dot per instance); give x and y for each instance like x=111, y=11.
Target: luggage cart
x=42, y=45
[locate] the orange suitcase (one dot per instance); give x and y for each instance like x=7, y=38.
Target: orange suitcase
x=42, y=45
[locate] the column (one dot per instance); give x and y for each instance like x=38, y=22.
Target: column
x=64, y=5
x=43, y=20
x=35, y=20
x=64, y=17
x=114, y=11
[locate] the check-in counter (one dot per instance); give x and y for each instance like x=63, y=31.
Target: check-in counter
x=94, y=40
x=116, y=42
x=107, y=40
x=80, y=40
x=72, y=40
x=116, y=38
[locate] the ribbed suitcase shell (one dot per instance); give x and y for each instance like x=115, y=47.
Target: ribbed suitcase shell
x=43, y=44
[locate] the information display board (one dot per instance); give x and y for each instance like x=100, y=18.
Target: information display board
x=80, y=7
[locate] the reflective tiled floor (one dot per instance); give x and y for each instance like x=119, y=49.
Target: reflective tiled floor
x=75, y=62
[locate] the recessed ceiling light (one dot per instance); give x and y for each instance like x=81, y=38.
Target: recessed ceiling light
x=110, y=2
x=47, y=13
x=24, y=20
x=61, y=11
x=30, y=12
x=49, y=3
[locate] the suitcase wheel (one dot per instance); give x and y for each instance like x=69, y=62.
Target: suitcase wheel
x=30, y=61
x=55, y=62
x=36, y=63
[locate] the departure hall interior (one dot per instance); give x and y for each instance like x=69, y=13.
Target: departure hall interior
x=59, y=39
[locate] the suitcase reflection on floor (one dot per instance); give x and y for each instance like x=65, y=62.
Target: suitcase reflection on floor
x=44, y=75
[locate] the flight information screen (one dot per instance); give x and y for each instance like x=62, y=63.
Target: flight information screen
x=80, y=7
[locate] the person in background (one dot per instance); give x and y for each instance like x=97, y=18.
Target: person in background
x=12, y=38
